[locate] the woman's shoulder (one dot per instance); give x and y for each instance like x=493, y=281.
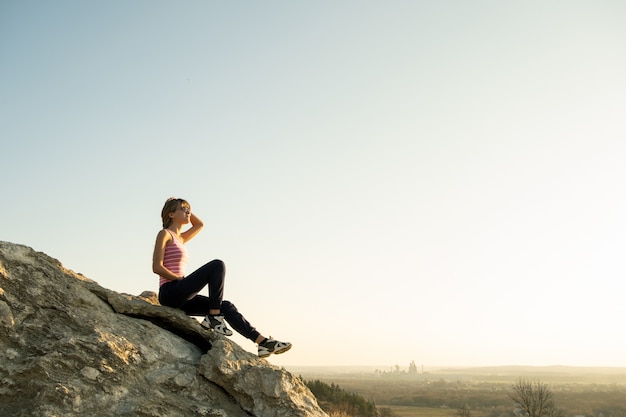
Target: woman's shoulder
x=164, y=234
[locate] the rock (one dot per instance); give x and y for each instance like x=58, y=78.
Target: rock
x=69, y=347
x=275, y=394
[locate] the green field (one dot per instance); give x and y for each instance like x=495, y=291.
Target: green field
x=407, y=411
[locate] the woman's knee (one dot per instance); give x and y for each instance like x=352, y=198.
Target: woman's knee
x=218, y=264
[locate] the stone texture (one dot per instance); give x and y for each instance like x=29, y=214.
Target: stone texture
x=69, y=347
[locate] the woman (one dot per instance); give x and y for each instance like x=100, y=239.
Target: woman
x=181, y=291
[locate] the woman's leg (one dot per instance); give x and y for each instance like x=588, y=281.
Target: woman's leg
x=243, y=327
x=177, y=293
x=212, y=274
x=239, y=322
x=199, y=305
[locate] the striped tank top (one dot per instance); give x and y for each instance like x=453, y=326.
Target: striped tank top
x=175, y=257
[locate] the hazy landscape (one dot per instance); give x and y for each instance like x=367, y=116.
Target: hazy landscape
x=438, y=391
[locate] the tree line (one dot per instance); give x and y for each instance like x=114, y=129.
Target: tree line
x=335, y=400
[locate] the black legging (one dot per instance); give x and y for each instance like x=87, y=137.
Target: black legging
x=183, y=294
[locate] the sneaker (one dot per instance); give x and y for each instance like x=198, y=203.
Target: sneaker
x=216, y=323
x=273, y=346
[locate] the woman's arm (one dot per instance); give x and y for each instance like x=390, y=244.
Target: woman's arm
x=196, y=226
x=157, y=257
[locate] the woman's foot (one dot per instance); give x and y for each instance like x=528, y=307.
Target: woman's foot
x=269, y=346
x=216, y=323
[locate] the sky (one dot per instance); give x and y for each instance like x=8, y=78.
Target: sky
x=430, y=181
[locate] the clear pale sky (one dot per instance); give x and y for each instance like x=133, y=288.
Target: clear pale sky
x=387, y=181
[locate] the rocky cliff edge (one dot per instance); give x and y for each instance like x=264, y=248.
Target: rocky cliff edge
x=69, y=347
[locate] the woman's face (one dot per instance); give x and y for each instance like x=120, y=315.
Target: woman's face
x=181, y=215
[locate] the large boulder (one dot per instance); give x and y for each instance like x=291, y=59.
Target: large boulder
x=69, y=347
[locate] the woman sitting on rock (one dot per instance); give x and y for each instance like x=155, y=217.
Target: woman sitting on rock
x=181, y=291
